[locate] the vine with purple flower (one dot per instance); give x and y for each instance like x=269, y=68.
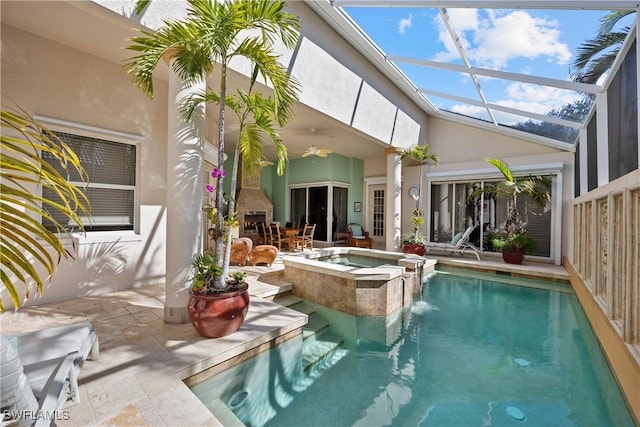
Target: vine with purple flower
x=218, y=230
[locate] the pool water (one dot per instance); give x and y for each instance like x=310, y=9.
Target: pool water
x=353, y=260
x=468, y=352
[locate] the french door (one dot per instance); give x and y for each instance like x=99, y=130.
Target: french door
x=324, y=205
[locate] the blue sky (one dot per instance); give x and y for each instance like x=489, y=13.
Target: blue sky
x=536, y=42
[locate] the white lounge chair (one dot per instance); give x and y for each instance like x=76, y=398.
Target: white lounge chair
x=458, y=245
x=39, y=372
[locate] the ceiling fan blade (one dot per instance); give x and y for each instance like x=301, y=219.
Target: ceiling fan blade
x=322, y=154
x=307, y=154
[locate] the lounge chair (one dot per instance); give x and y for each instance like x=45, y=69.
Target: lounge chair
x=240, y=249
x=40, y=370
x=358, y=237
x=458, y=245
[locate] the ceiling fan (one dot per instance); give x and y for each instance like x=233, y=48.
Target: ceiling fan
x=315, y=151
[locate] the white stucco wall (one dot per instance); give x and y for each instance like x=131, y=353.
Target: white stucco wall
x=55, y=81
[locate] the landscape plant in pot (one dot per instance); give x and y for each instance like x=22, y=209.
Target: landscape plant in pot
x=513, y=247
x=204, y=43
x=414, y=242
x=513, y=241
x=217, y=312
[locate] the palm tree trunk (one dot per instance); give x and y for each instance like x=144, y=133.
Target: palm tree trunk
x=219, y=281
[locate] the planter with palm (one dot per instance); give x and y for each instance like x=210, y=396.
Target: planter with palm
x=415, y=241
x=514, y=242
x=212, y=34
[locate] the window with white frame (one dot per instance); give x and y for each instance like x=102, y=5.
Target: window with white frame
x=453, y=209
x=111, y=187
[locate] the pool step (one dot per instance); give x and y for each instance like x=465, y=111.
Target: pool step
x=287, y=300
x=315, y=325
x=322, y=351
x=321, y=348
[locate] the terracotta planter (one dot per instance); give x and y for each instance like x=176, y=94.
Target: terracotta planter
x=410, y=248
x=221, y=314
x=513, y=256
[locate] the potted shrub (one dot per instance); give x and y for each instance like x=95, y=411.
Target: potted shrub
x=212, y=34
x=415, y=241
x=214, y=312
x=514, y=242
x=513, y=247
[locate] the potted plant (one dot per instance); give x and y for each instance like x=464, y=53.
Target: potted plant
x=215, y=313
x=513, y=247
x=415, y=241
x=212, y=34
x=514, y=242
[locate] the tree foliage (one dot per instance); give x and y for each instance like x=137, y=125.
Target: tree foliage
x=212, y=35
x=26, y=245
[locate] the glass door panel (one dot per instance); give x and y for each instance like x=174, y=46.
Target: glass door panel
x=339, y=223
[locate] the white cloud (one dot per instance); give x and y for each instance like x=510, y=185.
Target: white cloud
x=493, y=41
x=404, y=24
x=464, y=20
x=545, y=95
x=524, y=97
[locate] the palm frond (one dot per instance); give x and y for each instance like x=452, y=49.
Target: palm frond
x=609, y=21
x=26, y=242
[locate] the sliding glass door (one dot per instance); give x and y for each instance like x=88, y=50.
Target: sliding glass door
x=325, y=206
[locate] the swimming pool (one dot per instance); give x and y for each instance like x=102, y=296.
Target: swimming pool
x=469, y=352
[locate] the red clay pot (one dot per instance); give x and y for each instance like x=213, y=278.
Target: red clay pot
x=513, y=256
x=410, y=248
x=215, y=316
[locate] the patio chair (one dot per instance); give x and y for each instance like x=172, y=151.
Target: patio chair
x=276, y=237
x=240, y=249
x=40, y=369
x=263, y=236
x=306, y=238
x=458, y=246
x=358, y=237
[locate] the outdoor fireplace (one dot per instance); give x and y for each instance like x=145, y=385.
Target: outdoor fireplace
x=252, y=205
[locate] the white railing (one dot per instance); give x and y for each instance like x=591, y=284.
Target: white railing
x=606, y=251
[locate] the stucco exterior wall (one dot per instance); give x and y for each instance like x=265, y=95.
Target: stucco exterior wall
x=55, y=81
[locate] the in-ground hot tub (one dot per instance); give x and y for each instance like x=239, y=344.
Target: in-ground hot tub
x=356, y=281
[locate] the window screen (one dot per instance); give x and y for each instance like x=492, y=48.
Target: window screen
x=111, y=167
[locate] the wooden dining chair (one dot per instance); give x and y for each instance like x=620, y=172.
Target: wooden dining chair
x=263, y=237
x=276, y=237
x=306, y=239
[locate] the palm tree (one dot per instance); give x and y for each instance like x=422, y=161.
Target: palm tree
x=33, y=156
x=422, y=154
x=212, y=34
x=536, y=187
x=596, y=55
x=257, y=117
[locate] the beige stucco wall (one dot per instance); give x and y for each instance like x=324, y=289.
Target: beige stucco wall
x=52, y=80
